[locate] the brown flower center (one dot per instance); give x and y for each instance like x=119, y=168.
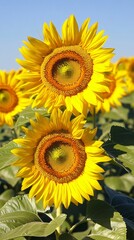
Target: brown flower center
x=8, y=99
x=67, y=70
x=60, y=157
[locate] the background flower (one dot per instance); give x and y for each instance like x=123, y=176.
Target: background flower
x=127, y=65
x=117, y=87
x=12, y=96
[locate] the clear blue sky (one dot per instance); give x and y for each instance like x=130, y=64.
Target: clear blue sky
x=22, y=18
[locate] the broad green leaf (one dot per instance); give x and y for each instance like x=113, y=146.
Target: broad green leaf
x=37, y=229
x=123, y=204
x=18, y=218
x=117, y=232
x=6, y=157
x=66, y=236
x=123, y=136
x=5, y=196
x=94, y=211
x=107, y=127
x=128, y=158
x=56, y=222
x=28, y=229
x=128, y=99
x=81, y=235
x=20, y=238
x=117, y=114
x=17, y=211
x=3, y=228
x=9, y=175
x=27, y=114
x=111, y=151
x=19, y=203
x=121, y=183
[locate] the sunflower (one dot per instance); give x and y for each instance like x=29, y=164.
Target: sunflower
x=59, y=159
x=68, y=70
x=118, y=89
x=12, y=97
x=127, y=65
x=130, y=71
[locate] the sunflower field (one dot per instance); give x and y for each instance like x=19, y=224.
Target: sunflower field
x=67, y=139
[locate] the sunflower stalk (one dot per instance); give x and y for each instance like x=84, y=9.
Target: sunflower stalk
x=94, y=118
x=58, y=213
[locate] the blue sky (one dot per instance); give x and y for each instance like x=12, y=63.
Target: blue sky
x=22, y=18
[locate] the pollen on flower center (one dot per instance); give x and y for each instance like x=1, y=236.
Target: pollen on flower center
x=60, y=157
x=58, y=154
x=8, y=99
x=64, y=69
x=67, y=70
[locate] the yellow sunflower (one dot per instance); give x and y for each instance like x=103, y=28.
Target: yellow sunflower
x=118, y=89
x=127, y=65
x=12, y=97
x=59, y=159
x=67, y=70
x=130, y=71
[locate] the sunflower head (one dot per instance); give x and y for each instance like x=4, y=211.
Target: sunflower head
x=67, y=70
x=130, y=71
x=58, y=159
x=127, y=65
x=12, y=96
x=117, y=89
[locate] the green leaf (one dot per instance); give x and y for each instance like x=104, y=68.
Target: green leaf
x=123, y=136
x=19, y=203
x=5, y=196
x=117, y=114
x=122, y=183
x=94, y=211
x=66, y=236
x=37, y=229
x=111, y=151
x=56, y=222
x=128, y=99
x=117, y=232
x=17, y=211
x=81, y=235
x=128, y=158
x=28, y=229
x=27, y=114
x=121, y=203
x=9, y=175
x=6, y=157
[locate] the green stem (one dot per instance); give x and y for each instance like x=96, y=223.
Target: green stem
x=94, y=118
x=58, y=213
x=77, y=224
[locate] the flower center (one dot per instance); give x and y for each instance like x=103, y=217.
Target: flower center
x=8, y=99
x=60, y=157
x=67, y=70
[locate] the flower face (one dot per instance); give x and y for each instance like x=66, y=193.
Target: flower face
x=68, y=70
x=12, y=99
x=130, y=70
x=117, y=87
x=58, y=159
x=127, y=65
